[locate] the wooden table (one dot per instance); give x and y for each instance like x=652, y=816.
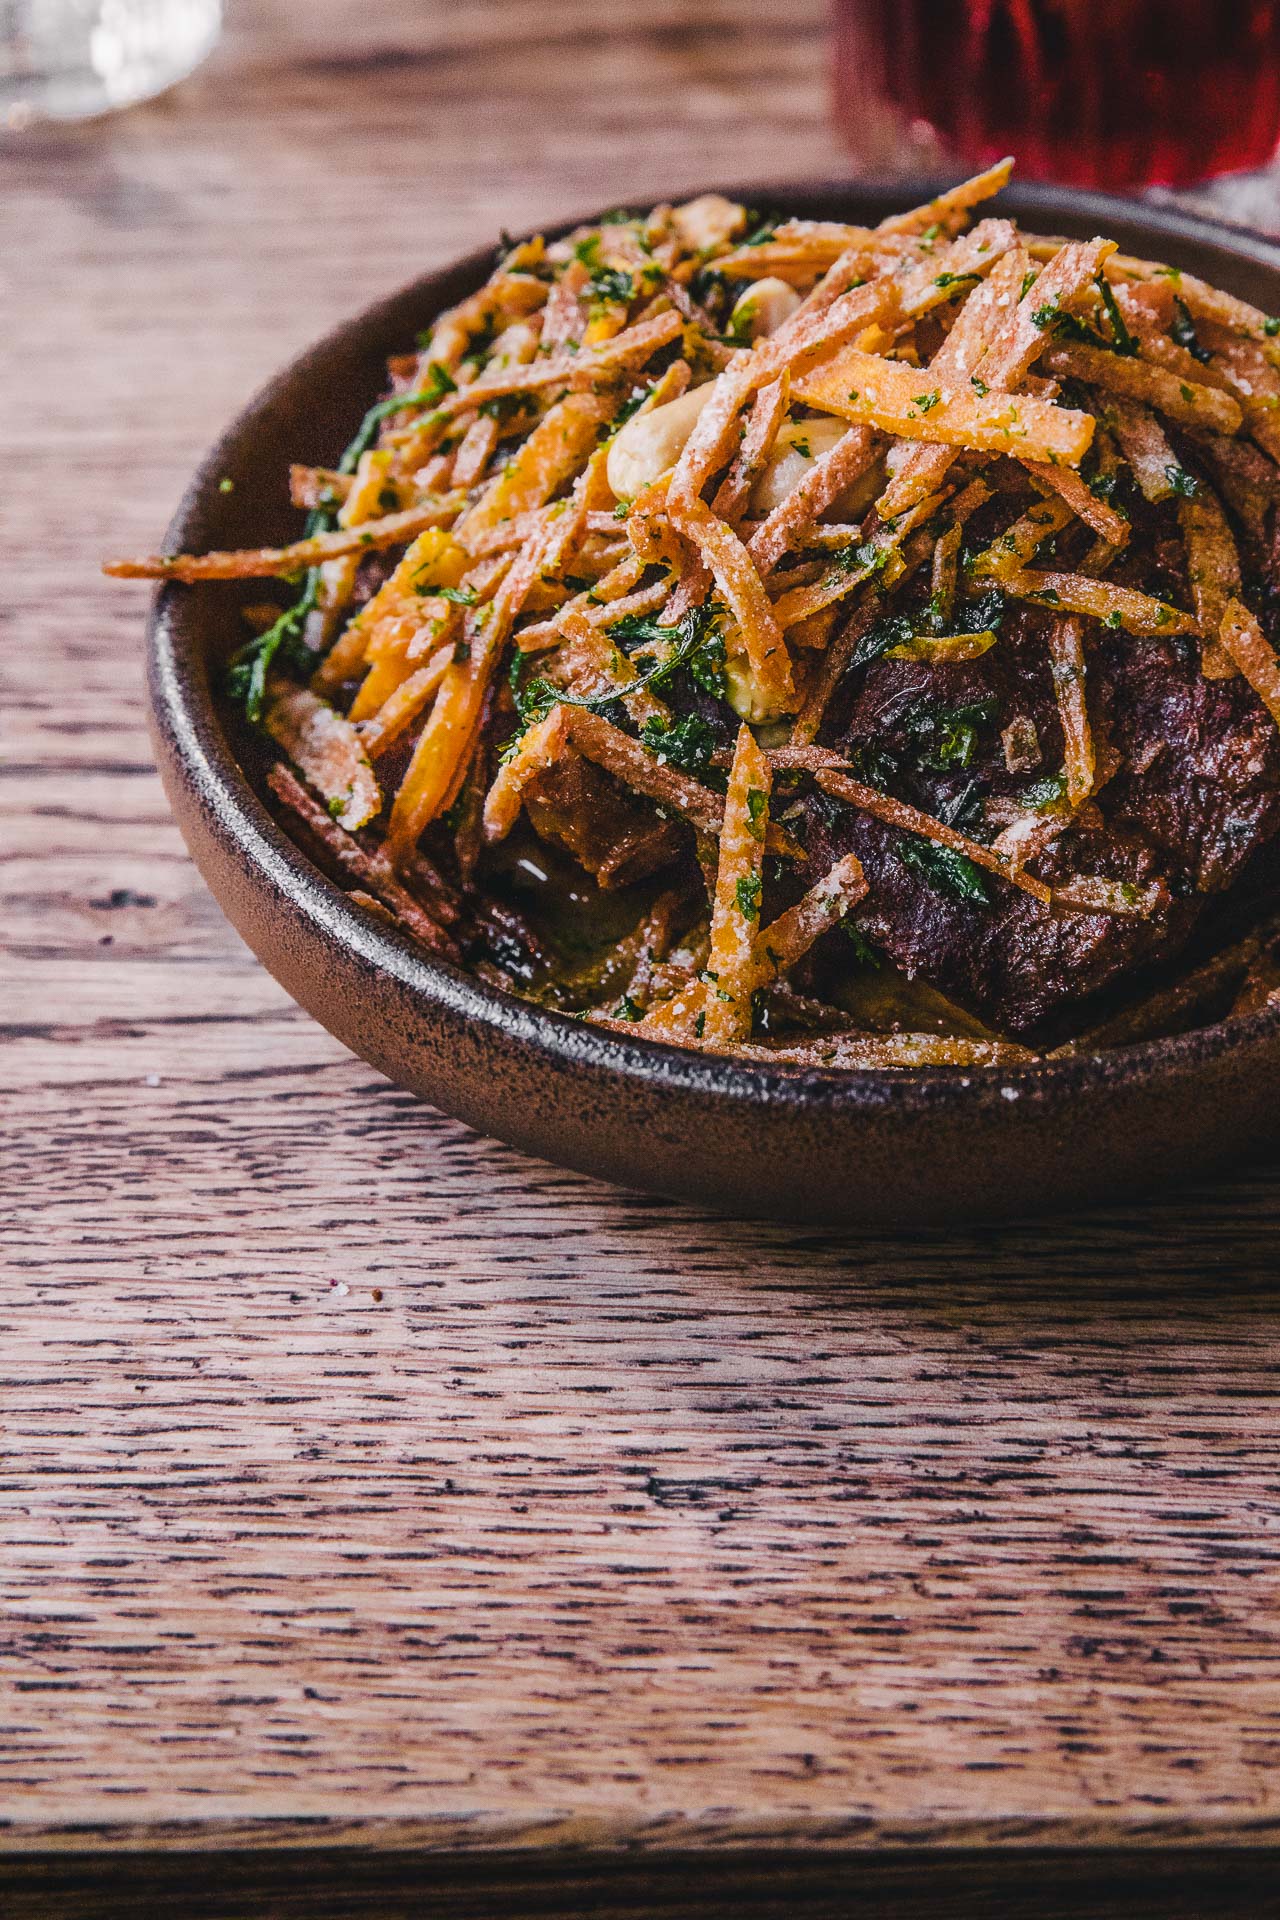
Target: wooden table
x=384, y=1510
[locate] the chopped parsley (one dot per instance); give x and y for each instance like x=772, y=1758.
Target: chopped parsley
x=868, y=557
x=687, y=743
x=926, y=402
x=612, y=283
x=943, y=869
x=864, y=952
x=1181, y=482
x=757, y=805
x=1183, y=330
x=504, y=407
x=1041, y=795
x=1122, y=341
x=630, y=406
x=946, y=737
x=1053, y=318
x=709, y=287
x=890, y=630
x=746, y=896
x=761, y=227
x=439, y=382
x=697, y=646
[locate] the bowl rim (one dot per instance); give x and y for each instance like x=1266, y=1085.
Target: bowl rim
x=187, y=712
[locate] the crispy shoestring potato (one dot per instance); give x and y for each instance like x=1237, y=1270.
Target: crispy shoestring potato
x=693, y=549
x=1251, y=652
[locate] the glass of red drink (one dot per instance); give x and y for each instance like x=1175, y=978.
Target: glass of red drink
x=1109, y=93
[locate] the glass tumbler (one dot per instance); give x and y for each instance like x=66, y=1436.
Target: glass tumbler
x=71, y=59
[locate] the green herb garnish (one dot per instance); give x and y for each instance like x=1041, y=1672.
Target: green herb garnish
x=945, y=870
x=688, y=743
x=946, y=737
x=746, y=896
x=1183, y=330
x=757, y=805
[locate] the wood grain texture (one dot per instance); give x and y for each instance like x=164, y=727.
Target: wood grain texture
x=365, y=1483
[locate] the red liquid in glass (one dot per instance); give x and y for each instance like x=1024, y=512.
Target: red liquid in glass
x=1107, y=93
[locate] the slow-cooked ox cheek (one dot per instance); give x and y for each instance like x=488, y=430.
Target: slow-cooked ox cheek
x=1202, y=761
x=1197, y=795
x=576, y=806
x=1010, y=961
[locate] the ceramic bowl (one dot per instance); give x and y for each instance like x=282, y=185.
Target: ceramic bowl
x=905, y=1149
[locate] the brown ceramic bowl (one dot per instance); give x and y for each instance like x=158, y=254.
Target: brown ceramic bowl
x=909, y=1148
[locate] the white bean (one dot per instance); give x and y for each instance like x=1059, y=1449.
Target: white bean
x=799, y=445
x=652, y=442
x=708, y=221
x=762, y=309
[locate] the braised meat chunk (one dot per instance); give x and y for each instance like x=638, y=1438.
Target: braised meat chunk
x=1194, y=794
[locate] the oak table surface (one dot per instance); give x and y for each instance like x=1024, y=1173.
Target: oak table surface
x=363, y=1480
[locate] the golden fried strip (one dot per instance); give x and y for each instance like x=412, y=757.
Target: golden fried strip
x=1156, y=467
x=444, y=746
x=1095, y=512
x=735, y=914
x=788, y=938
x=951, y=209
x=325, y=747
x=1213, y=573
x=904, y=400
x=1010, y=551
x=1065, y=640
x=768, y=411
x=744, y=595
x=1190, y=403
x=259, y=563
x=404, y=703
x=1100, y=600
x=896, y=813
x=874, y=1052
x=785, y=526
x=1253, y=653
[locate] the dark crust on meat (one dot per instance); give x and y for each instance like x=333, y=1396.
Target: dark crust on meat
x=1198, y=795
x=615, y=837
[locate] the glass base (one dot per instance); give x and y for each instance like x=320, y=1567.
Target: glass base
x=74, y=59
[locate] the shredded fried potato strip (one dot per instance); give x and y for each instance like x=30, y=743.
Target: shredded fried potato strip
x=1247, y=645
x=735, y=916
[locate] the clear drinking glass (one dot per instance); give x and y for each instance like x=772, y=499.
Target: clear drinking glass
x=70, y=59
